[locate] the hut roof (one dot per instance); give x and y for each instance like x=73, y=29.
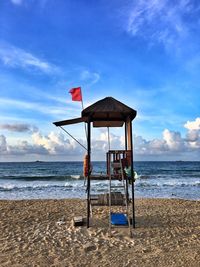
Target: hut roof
x=108, y=112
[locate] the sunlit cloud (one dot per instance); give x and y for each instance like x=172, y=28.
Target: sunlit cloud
x=193, y=125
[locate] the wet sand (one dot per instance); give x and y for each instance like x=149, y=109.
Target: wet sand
x=40, y=233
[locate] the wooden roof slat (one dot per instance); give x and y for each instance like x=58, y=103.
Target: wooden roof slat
x=72, y=121
x=109, y=123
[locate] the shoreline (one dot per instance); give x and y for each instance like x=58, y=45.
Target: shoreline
x=84, y=198
x=39, y=232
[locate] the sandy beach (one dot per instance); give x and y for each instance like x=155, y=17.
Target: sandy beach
x=40, y=233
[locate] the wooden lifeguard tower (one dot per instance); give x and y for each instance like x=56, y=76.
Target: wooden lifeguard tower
x=109, y=112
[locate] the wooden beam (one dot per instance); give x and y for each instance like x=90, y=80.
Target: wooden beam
x=130, y=147
x=132, y=176
x=129, y=134
x=125, y=135
x=109, y=123
x=88, y=178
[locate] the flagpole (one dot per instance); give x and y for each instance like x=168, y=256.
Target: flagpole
x=77, y=96
x=82, y=110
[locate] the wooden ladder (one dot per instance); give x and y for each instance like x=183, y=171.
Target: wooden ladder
x=123, y=187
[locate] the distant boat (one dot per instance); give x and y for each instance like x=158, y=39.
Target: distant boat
x=38, y=161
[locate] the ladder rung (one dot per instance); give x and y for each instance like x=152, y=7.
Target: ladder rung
x=117, y=186
x=93, y=197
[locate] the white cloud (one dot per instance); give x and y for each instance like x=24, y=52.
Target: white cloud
x=193, y=125
x=41, y=145
x=15, y=57
x=56, y=143
x=18, y=127
x=192, y=135
x=173, y=140
x=116, y=141
x=17, y=2
x=3, y=144
x=150, y=147
x=22, y=148
x=90, y=77
x=193, y=139
x=39, y=107
x=171, y=144
x=160, y=21
x=50, y=142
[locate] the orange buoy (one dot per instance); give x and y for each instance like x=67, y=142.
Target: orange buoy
x=85, y=166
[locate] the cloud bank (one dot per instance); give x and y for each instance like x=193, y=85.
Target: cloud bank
x=171, y=146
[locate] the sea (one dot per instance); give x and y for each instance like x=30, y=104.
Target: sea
x=59, y=180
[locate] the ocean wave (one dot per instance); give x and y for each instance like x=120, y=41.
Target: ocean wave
x=66, y=186
x=143, y=177
x=76, y=176
x=97, y=186
x=182, y=184
x=169, y=184
x=167, y=176
x=43, y=177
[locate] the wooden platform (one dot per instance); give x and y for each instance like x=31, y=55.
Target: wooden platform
x=104, y=177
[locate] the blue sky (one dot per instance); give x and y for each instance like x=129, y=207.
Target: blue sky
x=144, y=53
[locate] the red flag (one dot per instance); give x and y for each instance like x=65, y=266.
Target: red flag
x=76, y=94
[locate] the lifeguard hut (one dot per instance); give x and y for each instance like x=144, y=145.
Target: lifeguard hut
x=110, y=112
